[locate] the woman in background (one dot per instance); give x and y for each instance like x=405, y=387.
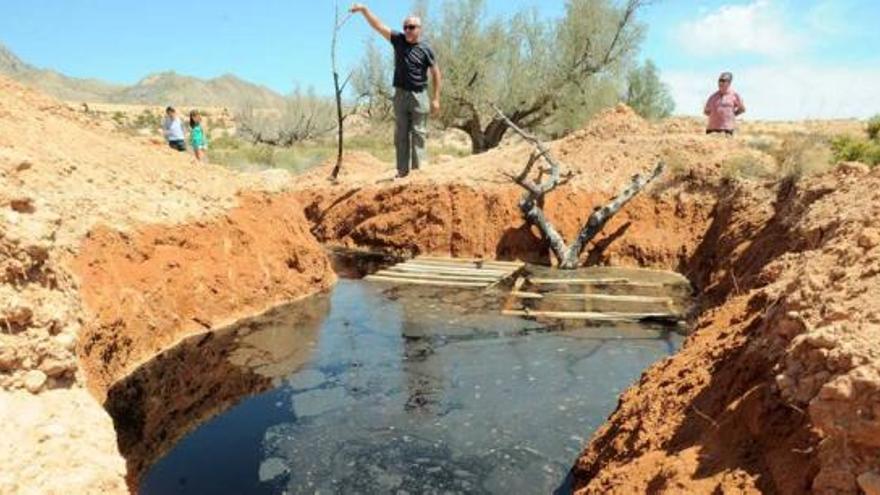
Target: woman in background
x=197, y=136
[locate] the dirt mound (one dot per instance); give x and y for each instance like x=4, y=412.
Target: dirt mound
x=100, y=237
x=615, y=122
x=777, y=390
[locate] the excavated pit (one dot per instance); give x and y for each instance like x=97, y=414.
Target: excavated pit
x=743, y=406
x=376, y=388
x=115, y=251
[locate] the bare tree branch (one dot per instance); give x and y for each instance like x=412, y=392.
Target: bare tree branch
x=601, y=215
x=568, y=257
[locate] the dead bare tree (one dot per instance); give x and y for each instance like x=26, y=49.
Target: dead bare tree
x=531, y=204
x=341, y=115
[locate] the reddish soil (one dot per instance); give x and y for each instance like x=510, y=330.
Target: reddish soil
x=145, y=290
x=777, y=389
x=112, y=249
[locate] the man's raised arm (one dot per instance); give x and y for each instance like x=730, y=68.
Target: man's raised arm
x=374, y=21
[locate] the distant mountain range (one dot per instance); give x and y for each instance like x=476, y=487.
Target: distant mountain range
x=166, y=88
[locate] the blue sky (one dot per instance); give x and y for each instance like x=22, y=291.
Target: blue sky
x=791, y=58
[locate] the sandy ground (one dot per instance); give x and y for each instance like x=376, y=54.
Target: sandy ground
x=87, y=216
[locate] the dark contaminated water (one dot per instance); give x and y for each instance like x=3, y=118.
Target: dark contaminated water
x=373, y=389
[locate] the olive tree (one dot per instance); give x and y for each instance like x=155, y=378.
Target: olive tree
x=528, y=67
x=647, y=94
x=372, y=79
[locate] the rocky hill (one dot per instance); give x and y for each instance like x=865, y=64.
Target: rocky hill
x=157, y=89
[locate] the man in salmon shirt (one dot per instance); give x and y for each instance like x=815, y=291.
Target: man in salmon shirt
x=723, y=107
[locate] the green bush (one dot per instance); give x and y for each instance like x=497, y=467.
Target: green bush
x=873, y=128
x=852, y=149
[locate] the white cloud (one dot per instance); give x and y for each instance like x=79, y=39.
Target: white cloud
x=754, y=28
x=791, y=91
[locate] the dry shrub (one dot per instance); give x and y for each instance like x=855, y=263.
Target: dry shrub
x=676, y=162
x=748, y=165
x=873, y=127
x=804, y=155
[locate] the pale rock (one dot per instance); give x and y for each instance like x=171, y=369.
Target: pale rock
x=66, y=341
x=56, y=367
x=869, y=239
x=34, y=380
x=9, y=359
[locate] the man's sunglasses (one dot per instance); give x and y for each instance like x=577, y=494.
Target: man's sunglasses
x=724, y=80
x=411, y=27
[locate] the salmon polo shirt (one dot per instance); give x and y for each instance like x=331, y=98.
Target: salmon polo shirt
x=722, y=108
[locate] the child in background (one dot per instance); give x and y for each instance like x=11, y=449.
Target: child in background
x=197, y=136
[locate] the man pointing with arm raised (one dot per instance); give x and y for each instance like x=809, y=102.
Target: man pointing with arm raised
x=413, y=60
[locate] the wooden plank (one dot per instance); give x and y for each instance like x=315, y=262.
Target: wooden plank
x=406, y=269
x=586, y=315
x=470, y=260
x=592, y=281
x=440, y=269
x=415, y=281
x=466, y=264
x=436, y=276
x=591, y=297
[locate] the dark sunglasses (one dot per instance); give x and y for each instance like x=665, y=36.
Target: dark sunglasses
x=411, y=27
x=724, y=80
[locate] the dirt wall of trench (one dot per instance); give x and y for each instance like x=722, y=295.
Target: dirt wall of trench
x=777, y=389
x=661, y=229
x=145, y=290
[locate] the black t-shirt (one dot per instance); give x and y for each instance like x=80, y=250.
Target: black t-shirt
x=411, y=63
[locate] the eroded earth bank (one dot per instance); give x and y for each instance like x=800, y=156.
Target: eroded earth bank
x=112, y=250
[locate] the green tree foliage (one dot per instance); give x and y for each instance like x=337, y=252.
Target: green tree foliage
x=854, y=149
x=545, y=75
x=647, y=94
x=529, y=68
x=873, y=128
x=371, y=82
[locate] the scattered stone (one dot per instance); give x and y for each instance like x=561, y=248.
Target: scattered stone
x=853, y=168
x=34, y=381
x=56, y=367
x=24, y=165
x=9, y=359
x=22, y=205
x=869, y=239
x=66, y=341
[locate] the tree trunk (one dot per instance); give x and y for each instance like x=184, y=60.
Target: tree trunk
x=340, y=127
x=483, y=140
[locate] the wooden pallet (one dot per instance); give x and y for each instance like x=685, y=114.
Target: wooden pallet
x=543, y=296
x=448, y=272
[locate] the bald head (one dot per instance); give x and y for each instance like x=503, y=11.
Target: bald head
x=412, y=28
